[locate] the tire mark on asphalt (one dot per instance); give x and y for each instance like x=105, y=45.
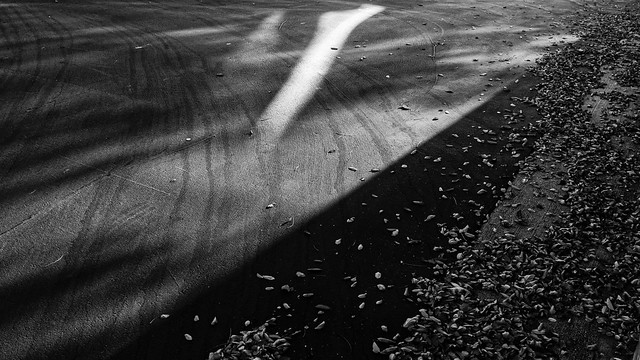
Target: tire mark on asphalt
x=61, y=75
x=228, y=200
x=23, y=130
x=192, y=105
x=234, y=94
x=151, y=66
x=216, y=201
x=63, y=41
x=43, y=113
x=221, y=111
x=14, y=123
x=132, y=87
x=333, y=29
x=273, y=178
x=382, y=146
x=205, y=227
x=156, y=91
x=121, y=177
x=140, y=67
x=149, y=69
x=84, y=247
x=48, y=87
x=93, y=251
x=184, y=109
x=142, y=73
x=175, y=60
x=172, y=59
x=109, y=27
x=152, y=77
x=62, y=37
x=11, y=41
x=141, y=70
x=270, y=171
x=88, y=22
x=384, y=95
x=166, y=59
x=41, y=121
x=86, y=252
x=350, y=106
x=5, y=42
x=389, y=99
x=62, y=290
x=108, y=241
x=425, y=35
x=338, y=184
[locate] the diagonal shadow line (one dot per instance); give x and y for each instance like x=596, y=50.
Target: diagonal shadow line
x=394, y=190
x=349, y=331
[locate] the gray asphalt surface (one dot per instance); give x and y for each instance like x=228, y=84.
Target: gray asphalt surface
x=155, y=156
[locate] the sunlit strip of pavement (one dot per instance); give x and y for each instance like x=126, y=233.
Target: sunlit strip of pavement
x=333, y=30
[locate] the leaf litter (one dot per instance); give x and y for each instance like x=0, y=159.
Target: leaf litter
x=511, y=296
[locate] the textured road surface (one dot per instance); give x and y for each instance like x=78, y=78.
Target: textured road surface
x=155, y=156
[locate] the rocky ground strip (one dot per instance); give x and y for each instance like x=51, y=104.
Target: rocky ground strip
x=515, y=294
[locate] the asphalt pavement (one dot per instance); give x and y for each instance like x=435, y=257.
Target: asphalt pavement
x=158, y=159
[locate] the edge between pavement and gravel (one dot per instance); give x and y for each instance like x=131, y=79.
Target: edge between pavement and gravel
x=553, y=273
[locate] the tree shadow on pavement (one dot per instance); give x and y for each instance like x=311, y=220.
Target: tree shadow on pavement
x=340, y=250
x=127, y=290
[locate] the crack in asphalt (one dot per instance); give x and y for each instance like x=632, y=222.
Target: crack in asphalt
x=53, y=206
